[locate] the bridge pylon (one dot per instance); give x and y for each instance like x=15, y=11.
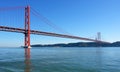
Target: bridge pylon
x=27, y=27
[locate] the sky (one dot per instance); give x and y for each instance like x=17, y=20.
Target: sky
x=82, y=18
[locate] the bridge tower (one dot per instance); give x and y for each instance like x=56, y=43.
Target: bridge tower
x=99, y=39
x=27, y=32
x=99, y=36
x=27, y=27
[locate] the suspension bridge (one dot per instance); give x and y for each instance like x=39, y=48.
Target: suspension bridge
x=27, y=29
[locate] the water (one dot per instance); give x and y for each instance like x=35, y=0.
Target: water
x=60, y=60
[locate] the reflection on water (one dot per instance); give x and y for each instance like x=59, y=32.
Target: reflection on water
x=60, y=59
x=98, y=59
x=27, y=60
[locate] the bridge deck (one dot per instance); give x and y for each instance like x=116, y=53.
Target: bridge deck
x=19, y=30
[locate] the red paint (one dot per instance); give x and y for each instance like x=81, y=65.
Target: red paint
x=27, y=26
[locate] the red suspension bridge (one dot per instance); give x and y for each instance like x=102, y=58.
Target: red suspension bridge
x=27, y=31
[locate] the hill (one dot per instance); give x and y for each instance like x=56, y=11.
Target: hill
x=80, y=44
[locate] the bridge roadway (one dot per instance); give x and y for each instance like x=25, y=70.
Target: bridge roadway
x=19, y=30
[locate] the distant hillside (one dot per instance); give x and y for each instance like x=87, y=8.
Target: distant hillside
x=81, y=44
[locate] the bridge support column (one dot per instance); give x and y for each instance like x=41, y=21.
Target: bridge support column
x=27, y=27
x=99, y=39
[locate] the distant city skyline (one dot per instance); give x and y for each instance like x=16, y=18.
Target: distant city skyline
x=82, y=18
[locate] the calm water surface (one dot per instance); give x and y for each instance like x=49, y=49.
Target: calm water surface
x=60, y=60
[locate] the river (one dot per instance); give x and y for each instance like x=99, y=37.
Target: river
x=58, y=59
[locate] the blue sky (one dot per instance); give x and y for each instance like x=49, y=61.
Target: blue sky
x=78, y=17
